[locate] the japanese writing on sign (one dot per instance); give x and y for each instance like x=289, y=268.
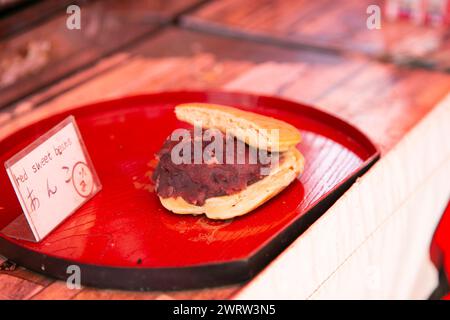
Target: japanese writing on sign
x=53, y=177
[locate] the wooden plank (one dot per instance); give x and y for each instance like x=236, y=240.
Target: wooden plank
x=328, y=24
x=56, y=290
x=10, y=269
x=23, y=14
x=47, y=53
x=162, y=11
x=8, y=5
x=384, y=101
x=61, y=87
x=22, y=273
x=15, y=288
x=210, y=293
x=195, y=61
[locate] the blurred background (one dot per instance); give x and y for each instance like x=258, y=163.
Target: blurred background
x=382, y=65
x=37, y=48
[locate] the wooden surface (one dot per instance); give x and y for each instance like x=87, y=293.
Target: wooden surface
x=19, y=15
x=326, y=24
x=49, y=51
x=14, y=20
x=383, y=100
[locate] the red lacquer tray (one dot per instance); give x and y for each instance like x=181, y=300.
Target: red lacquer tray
x=124, y=238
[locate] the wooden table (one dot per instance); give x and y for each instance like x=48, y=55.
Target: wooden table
x=44, y=54
x=353, y=247
x=326, y=24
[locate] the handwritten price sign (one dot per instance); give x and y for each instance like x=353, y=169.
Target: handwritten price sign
x=52, y=178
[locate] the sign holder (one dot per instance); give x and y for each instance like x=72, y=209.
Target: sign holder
x=52, y=177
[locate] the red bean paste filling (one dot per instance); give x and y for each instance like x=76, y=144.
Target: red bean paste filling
x=197, y=182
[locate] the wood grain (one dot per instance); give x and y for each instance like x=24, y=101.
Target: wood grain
x=383, y=100
x=15, y=288
x=56, y=290
x=210, y=293
x=326, y=24
x=25, y=274
x=195, y=61
x=44, y=54
x=21, y=15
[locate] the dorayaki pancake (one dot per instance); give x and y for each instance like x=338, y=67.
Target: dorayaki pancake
x=225, y=190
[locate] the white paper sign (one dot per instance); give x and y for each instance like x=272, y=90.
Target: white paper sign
x=52, y=178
